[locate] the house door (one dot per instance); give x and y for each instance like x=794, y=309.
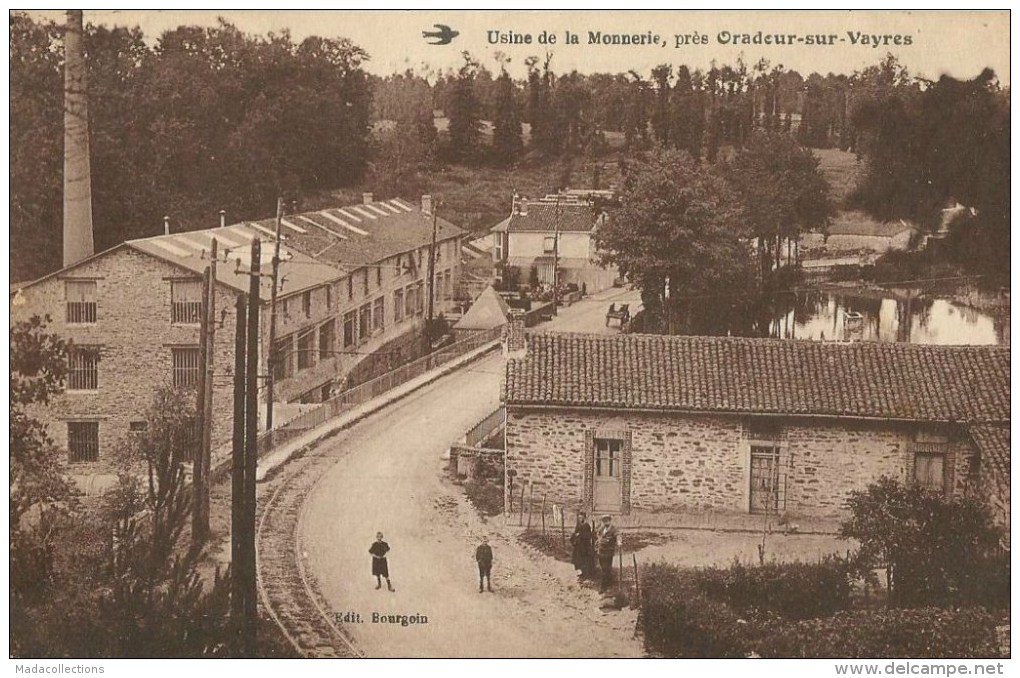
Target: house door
x=764, y=479
x=608, y=480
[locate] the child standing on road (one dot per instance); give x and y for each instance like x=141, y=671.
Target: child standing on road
x=483, y=555
x=380, y=568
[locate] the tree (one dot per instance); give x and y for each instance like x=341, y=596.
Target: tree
x=40, y=495
x=689, y=116
x=783, y=193
x=661, y=116
x=506, y=136
x=948, y=143
x=680, y=225
x=938, y=549
x=465, y=123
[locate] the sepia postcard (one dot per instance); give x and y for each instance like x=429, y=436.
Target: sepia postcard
x=510, y=334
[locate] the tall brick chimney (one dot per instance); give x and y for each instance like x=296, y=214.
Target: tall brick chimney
x=426, y=204
x=515, y=342
x=78, y=238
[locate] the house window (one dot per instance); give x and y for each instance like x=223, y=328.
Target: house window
x=350, y=328
x=397, y=271
x=327, y=341
x=186, y=366
x=379, y=314
x=365, y=286
x=306, y=303
x=409, y=301
x=83, y=368
x=306, y=350
x=138, y=426
x=83, y=441
x=81, y=301
x=350, y=288
x=364, y=322
x=608, y=457
x=329, y=297
x=419, y=296
x=549, y=245
x=398, y=306
x=499, y=246
x=281, y=358
x=378, y=276
x=185, y=302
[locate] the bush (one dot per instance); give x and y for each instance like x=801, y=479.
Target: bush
x=678, y=620
x=790, y=590
x=928, y=632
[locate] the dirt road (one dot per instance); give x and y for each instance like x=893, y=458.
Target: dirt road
x=389, y=479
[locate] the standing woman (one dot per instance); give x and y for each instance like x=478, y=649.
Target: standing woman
x=380, y=568
x=583, y=554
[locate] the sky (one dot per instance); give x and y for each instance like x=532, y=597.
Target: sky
x=960, y=43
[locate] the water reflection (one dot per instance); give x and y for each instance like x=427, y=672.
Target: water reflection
x=824, y=316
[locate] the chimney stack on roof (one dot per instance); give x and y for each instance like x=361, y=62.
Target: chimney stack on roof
x=223, y=218
x=426, y=204
x=367, y=198
x=166, y=224
x=524, y=207
x=515, y=343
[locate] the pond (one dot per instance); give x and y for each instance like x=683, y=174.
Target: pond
x=885, y=316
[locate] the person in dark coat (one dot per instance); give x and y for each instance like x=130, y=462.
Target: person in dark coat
x=583, y=543
x=380, y=568
x=483, y=556
x=605, y=543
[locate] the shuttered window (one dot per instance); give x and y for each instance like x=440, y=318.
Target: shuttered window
x=379, y=314
x=306, y=350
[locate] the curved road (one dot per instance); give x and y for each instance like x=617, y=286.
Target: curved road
x=389, y=478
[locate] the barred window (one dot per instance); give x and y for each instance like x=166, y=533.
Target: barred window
x=83, y=441
x=186, y=302
x=83, y=368
x=306, y=350
x=81, y=301
x=306, y=303
x=186, y=365
x=379, y=314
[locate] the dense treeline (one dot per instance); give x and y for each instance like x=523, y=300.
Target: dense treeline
x=210, y=119
x=205, y=119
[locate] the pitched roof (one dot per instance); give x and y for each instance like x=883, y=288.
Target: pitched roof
x=191, y=250
x=359, y=235
x=763, y=376
x=488, y=311
x=993, y=441
x=542, y=217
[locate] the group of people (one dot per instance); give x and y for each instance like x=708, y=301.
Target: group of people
x=591, y=543
x=381, y=567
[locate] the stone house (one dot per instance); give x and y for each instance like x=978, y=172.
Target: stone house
x=527, y=239
x=647, y=423
x=353, y=282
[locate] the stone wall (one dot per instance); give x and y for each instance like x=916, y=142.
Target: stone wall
x=135, y=336
x=697, y=462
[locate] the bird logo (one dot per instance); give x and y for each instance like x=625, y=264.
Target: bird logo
x=444, y=36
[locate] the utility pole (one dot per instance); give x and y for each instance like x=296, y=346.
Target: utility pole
x=556, y=259
x=237, y=504
x=432, y=280
x=251, y=411
x=271, y=351
x=202, y=460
